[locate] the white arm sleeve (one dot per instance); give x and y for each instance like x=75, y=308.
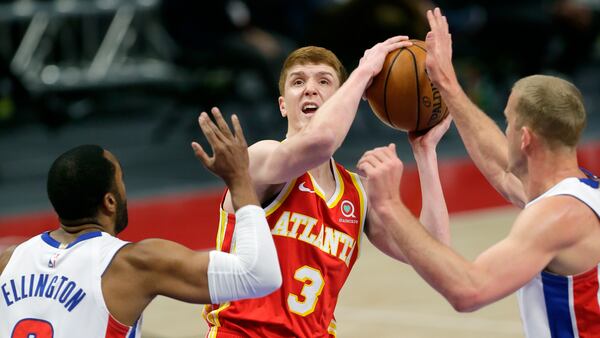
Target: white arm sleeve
x=253, y=271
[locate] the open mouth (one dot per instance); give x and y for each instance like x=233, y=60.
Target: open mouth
x=309, y=108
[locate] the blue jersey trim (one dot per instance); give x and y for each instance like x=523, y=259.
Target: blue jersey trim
x=556, y=295
x=133, y=329
x=49, y=240
x=56, y=244
x=590, y=182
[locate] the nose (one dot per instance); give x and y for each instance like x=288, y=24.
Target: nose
x=311, y=88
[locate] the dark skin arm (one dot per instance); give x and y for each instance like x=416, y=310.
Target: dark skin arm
x=141, y=271
x=5, y=257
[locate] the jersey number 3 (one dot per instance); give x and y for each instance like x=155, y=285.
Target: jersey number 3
x=313, y=286
x=33, y=328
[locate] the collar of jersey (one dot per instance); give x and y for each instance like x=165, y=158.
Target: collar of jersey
x=54, y=243
x=339, y=186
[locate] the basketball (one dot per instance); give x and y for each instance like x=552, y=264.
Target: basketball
x=402, y=96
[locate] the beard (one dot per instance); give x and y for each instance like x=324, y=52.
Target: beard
x=122, y=218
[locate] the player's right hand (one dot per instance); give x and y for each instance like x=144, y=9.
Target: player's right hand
x=374, y=57
x=383, y=171
x=230, y=150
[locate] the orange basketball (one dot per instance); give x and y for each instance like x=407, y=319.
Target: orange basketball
x=402, y=96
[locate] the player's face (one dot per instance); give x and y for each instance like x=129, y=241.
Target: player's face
x=517, y=161
x=307, y=87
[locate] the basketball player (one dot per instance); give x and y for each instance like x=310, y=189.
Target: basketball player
x=552, y=254
x=81, y=281
x=315, y=207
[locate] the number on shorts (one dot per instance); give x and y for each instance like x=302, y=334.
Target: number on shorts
x=33, y=328
x=313, y=286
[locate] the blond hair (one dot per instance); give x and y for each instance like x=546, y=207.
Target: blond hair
x=552, y=107
x=311, y=55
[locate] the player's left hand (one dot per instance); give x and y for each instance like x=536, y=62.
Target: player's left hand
x=383, y=170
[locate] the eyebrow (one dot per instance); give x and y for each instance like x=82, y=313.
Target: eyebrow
x=322, y=73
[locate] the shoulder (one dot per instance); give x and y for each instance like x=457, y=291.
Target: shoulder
x=559, y=220
x=143, y=255
x=5, y=257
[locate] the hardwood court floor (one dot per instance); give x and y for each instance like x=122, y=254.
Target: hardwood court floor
x=383, y=298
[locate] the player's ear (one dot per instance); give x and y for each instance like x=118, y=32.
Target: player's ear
x=109, y=202
x=526, y=138
x=282, y=106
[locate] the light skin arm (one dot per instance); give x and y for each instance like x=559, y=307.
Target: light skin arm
x=158, y=267
x=484, y=141
x=434, y=212
x=273, y=163
x=535, y=239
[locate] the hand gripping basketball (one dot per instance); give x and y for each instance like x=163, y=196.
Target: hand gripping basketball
x=402, y=96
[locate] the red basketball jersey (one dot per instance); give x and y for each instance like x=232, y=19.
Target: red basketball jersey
x=317, y=243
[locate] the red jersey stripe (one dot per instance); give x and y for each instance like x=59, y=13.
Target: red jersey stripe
x=585, y=299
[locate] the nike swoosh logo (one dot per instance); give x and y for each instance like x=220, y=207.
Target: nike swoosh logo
x=301, y=187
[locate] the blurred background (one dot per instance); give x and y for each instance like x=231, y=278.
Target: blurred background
x=133, y=75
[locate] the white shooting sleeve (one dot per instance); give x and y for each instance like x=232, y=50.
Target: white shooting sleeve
x=253, y=270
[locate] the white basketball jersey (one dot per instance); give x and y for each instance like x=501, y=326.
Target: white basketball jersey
x=554, y=306
x=51, y=291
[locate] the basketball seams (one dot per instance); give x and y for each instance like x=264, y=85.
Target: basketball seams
x=416, y=69
x=420, y=47
x=394, y=107
x=385, y=83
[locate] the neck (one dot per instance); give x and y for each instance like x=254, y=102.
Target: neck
x=547, y=168
x=66, y=234
x=322, y=172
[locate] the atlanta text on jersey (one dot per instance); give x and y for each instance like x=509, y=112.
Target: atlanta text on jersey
x=327, y=240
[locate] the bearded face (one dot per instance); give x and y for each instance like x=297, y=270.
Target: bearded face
x=122, y=218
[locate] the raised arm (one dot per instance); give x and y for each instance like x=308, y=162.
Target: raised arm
x=316, y=142
x=485, y=142
x=158, y=267
x=434, y=213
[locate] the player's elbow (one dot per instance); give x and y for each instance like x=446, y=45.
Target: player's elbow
x=465, y=300
x=321, y=144
x=268, y=279
x=272, y=282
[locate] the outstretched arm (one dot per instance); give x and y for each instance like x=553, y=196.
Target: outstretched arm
x=532, y=244
x=158, y=267
x=485, y=142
